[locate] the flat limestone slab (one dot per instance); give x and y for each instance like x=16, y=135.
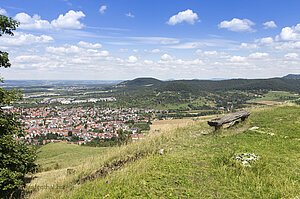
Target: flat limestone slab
x=229, y=118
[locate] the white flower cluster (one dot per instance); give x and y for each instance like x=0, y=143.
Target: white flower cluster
x=246, y=158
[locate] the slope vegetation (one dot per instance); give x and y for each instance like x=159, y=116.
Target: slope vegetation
x=189, y=163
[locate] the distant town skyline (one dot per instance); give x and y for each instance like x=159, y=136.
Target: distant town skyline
x=119, y=40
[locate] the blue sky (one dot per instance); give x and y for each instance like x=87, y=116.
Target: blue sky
x=118, y=39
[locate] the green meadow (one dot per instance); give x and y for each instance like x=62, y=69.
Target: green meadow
x=61, y=155
x=191, y=161
x=278, y=96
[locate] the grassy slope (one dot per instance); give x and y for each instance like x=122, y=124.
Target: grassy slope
x=55, y=158
x=62, y=155
x=200, y=166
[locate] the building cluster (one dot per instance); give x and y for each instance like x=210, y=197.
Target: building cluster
x=85, y=123
x=76, y=101
x=40, y=95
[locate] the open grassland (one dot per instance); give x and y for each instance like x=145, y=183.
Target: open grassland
x=167, y=125
x=55, y=158
x=62, y=155
x=195, y=165
x=277, y=96
x=164, y=125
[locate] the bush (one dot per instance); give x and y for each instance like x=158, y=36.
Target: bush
x=17, y=160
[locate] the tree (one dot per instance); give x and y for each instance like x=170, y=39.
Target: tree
x=70, y=133
x=6, y=27
x=123, y=137
x=16, y=159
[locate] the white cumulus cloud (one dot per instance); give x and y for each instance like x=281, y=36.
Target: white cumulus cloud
x=248, y=46
x=35, y=22
x=123, y=50
x=289, y=33
x=132, y=59
x=29, y=59
x=258, y=55
x=23, y=39
x=68, y=21
x=103, y=53
x=237, y=59
x=129, y=15
x=291, y=55
x=88, y=45
x=210, y=53
x=185, y=16
x=194, y=62
x=154, y=51
x=269, y=24
x=102, y=9
x=169, y=41
x=3, y=11
x=149, y=62
x=63, y=50
x=237, y=25
x=265, y=41
x=189, y=45
x=72, y=50
x=166, y=57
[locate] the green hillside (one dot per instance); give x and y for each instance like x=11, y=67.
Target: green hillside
x=61, y=155
x=282, y=84
x=186, y=95
x=188, y=163
x=140, y=83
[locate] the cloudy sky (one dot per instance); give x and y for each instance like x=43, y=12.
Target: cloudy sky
x=125, y=39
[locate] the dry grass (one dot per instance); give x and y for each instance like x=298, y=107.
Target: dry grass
x=167, y=125
x=163, y=125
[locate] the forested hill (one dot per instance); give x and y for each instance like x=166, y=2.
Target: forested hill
x=280, y=84
x=140, y=83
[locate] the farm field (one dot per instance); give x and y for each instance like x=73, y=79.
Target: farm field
x=277, y=96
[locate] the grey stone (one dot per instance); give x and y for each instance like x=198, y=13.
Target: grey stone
x=161, y=151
